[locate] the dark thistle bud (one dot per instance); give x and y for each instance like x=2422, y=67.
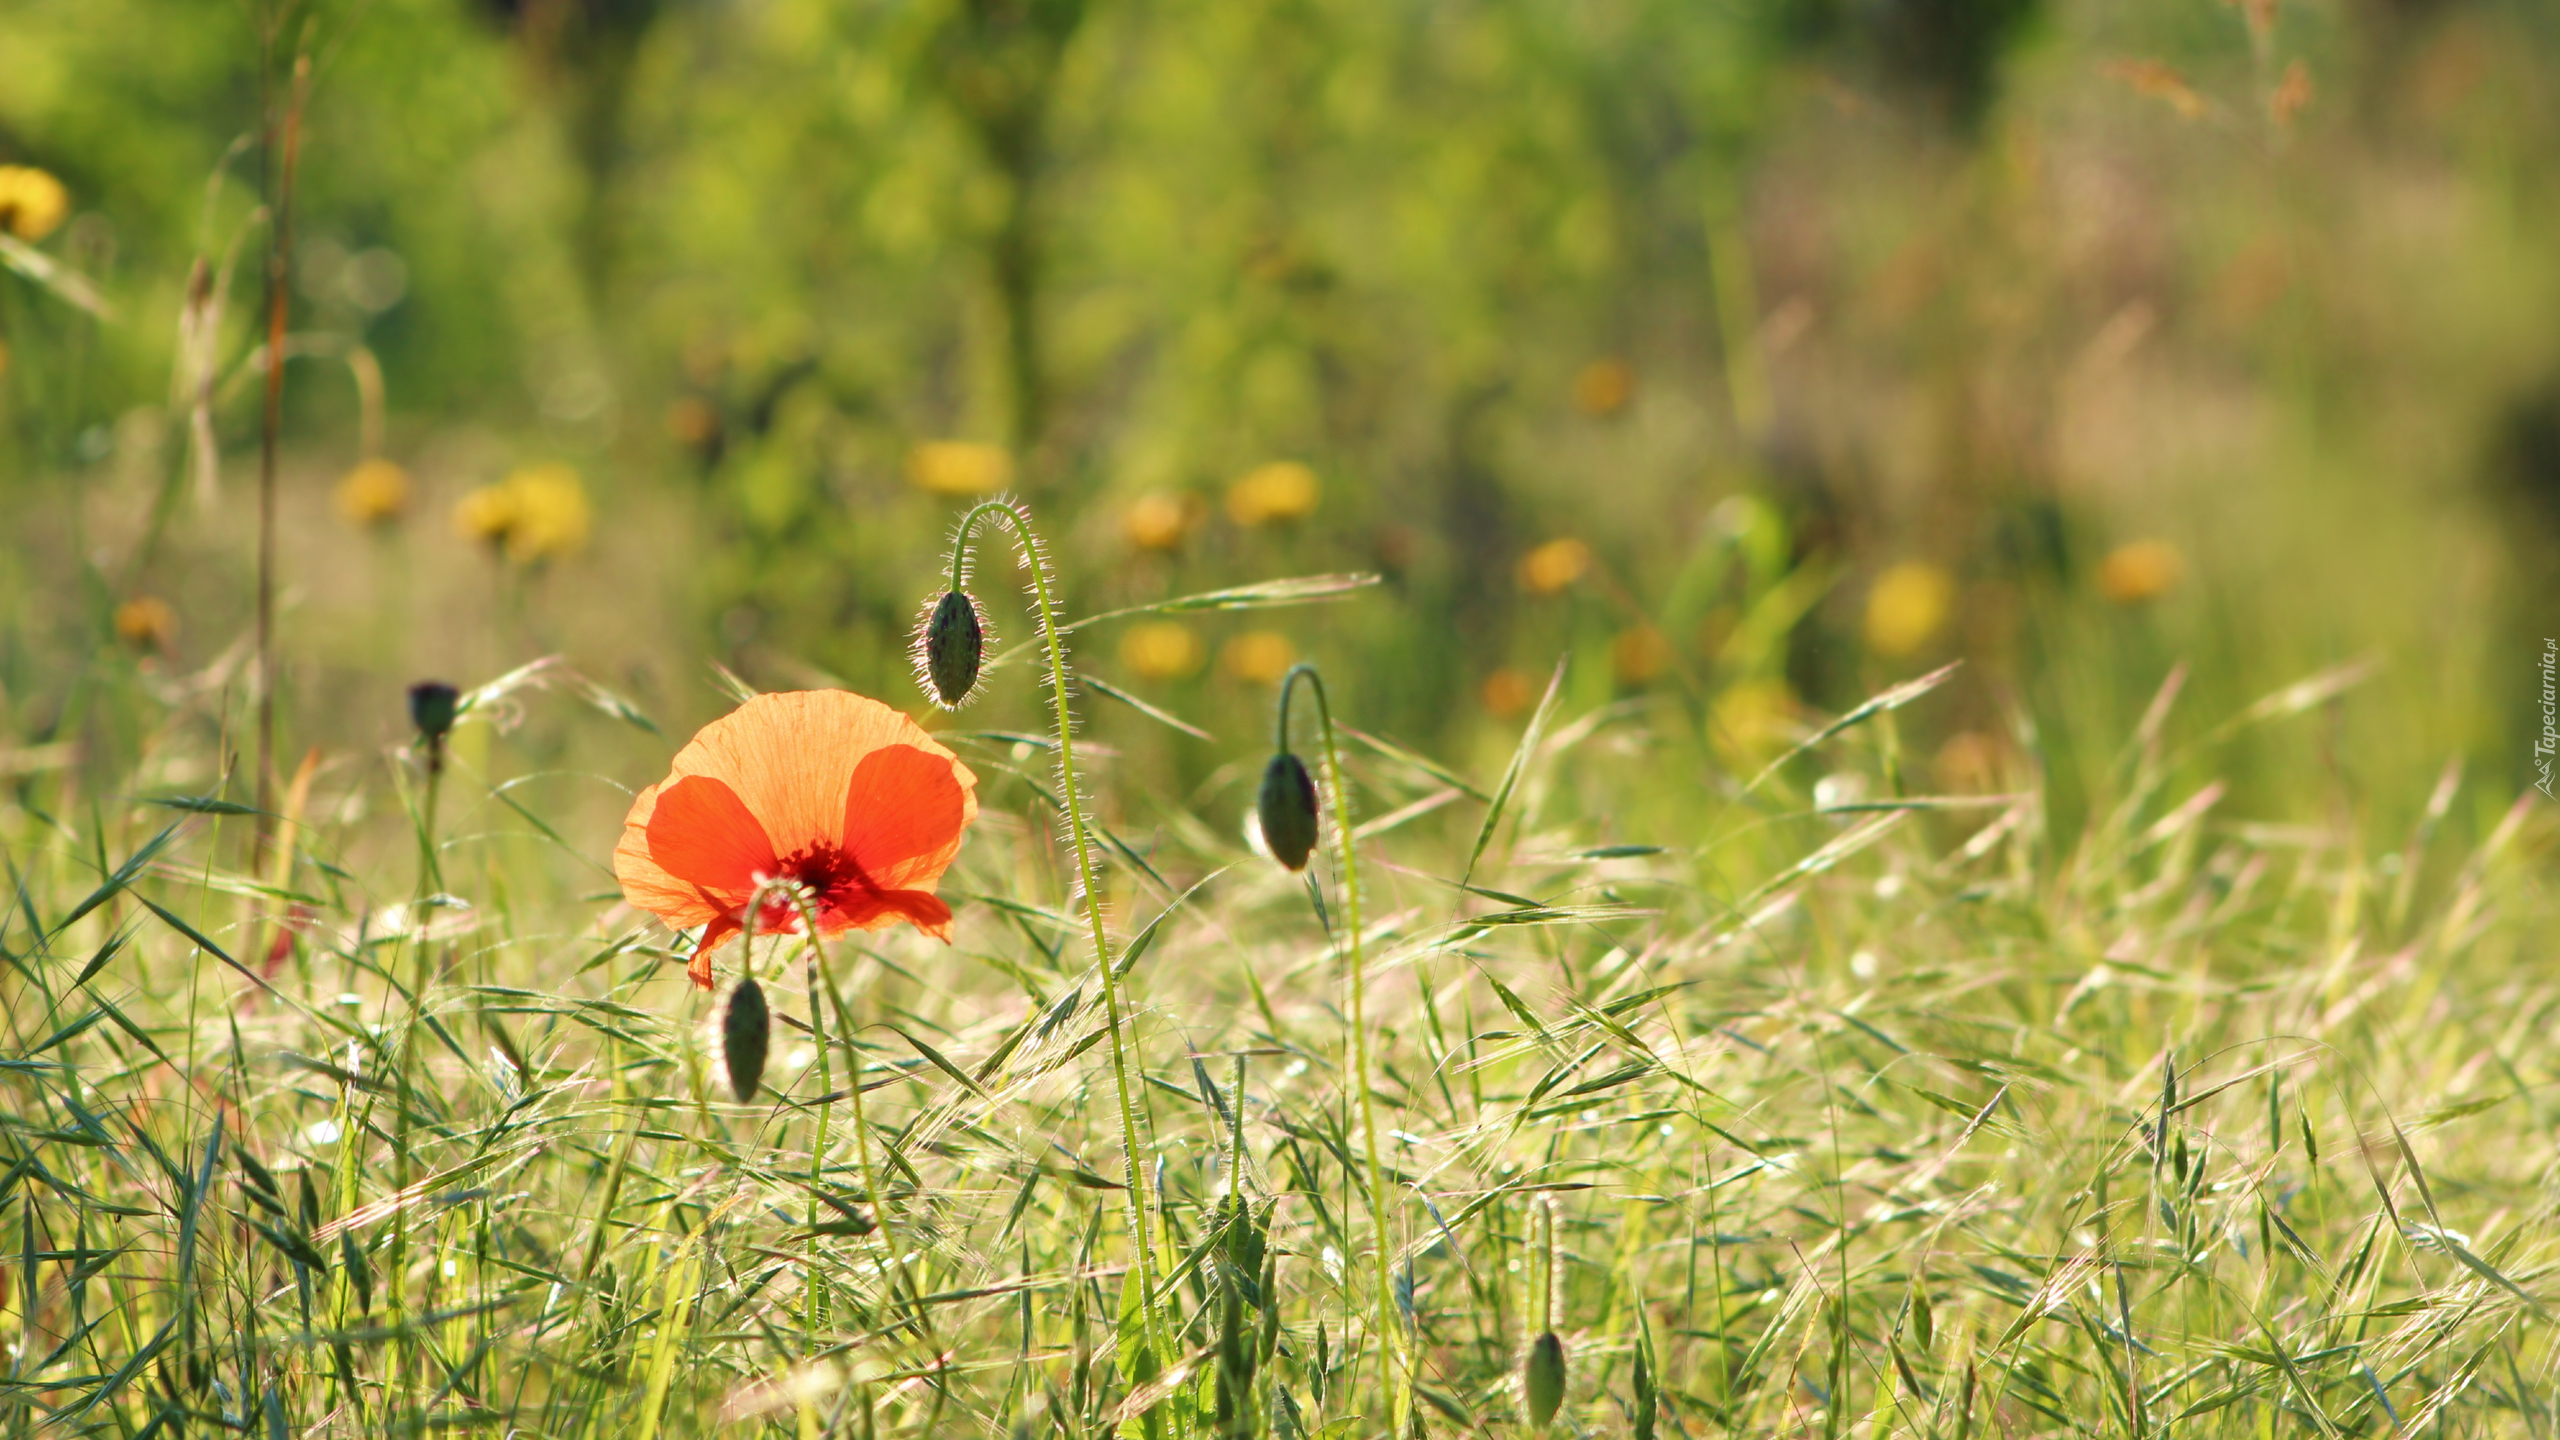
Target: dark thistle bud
x=949, y=646
x=432, y=706
x=746, y=1031
x=1542, y=1380
x=1286, y=810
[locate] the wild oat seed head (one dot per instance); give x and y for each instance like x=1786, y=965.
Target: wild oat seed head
x=32, y=203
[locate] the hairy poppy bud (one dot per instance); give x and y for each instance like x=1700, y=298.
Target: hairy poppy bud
x=949, y=648
x=432, y=706
x=1542, y=1380
x=746, y=1031
x=1287, y=810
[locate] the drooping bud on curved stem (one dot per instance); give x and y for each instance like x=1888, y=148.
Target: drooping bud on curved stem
x=951, y=640
x=1016, y=519
x=1286, y=809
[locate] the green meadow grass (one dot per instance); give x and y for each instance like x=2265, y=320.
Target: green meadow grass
x=1794, y=1101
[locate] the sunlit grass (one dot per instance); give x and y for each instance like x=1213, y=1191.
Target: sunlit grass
x=1905, y=1116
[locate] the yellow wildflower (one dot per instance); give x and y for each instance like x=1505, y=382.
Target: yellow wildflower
x=1507, y=692
x=2143, y=570
x=1259, y=657
x=959, y=467
x=1969, y=763
x=1160, y=650
x=32, y=202
x=1603, y=387
x=1751, y=720
x=538, y=513
x=1638, y=655
x=146, y=622
x=1282, y=490
x=1159, y=519
x=1907, y=607
x=374, y=493
x=1554, y=566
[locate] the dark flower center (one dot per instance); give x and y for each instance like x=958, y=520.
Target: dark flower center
x=832, y=878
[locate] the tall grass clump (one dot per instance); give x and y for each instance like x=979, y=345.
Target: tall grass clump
x=1878, y=1113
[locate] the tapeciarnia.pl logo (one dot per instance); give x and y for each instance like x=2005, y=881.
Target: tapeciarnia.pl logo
x=2544, y=747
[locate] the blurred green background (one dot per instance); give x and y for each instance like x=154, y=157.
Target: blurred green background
x=1753, y=356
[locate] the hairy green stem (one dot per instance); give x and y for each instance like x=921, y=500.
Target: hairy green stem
x=1012, y=516
x=1390, y=1335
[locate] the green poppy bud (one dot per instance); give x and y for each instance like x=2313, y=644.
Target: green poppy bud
x=948, y=648
x=1286, y=809
x=746, y=1032
x=432, y=707
x=1542, y=1380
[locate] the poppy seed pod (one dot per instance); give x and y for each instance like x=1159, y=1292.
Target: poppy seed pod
x=1542, y=1379
x=432, y=707
x=952, y=645
x=746, y=1032
x=1286, y=810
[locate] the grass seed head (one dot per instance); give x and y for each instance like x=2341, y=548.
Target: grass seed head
x=1286, y=809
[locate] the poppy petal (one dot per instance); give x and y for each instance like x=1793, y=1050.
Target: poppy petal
x=703, y=834
x=645, y=882
x=714, y=935
x=879, y=909
x=904, y=806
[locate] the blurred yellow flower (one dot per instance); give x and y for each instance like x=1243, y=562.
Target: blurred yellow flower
x=146, y=622
x=1159, y=519
x=959, y=467
x=538, y=513
x=1507, y=692
x=1749, y=721
x=1907, y=607
x=372, y=494
x=1259, y=657
x=1638, y=655
x=1281, y=490
x=1603, y=387
x=2143, y=570
x=1555, y=565
x=1160, y=650
x=692, y=421
x=1969, y=763
x=32, y=202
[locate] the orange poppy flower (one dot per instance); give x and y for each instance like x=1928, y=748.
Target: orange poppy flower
x=824, y=787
